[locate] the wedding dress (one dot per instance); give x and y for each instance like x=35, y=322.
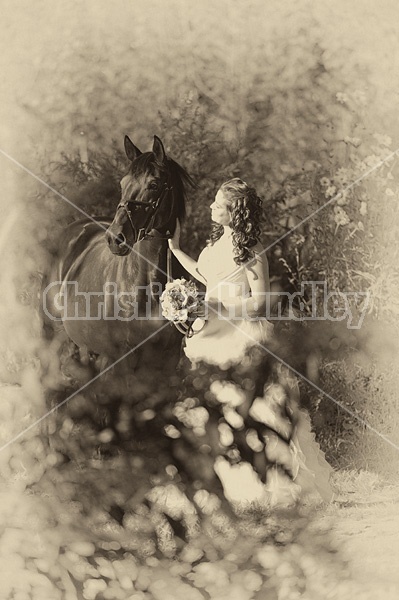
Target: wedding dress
x=226, y=343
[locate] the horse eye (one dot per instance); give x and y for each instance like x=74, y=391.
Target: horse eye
x=153, y=185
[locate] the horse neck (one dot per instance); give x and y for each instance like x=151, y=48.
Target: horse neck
x=151, y=261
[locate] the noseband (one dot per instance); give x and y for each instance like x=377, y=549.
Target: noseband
x=152, y=208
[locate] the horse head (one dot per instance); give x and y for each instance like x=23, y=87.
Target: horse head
x=153, y=195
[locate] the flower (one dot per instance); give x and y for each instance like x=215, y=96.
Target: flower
x=324, y=181
x=341, y=218
x=353, y=141
x=179, y=300
x=383, y=140
x=181, y=315
x=330, y=191
x=342, y=198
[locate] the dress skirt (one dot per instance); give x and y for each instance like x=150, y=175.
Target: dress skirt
x=225, y=343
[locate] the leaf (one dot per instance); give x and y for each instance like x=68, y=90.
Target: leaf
x=307, y=197
x=292, y=202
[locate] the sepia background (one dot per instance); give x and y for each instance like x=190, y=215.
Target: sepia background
x=299, y=99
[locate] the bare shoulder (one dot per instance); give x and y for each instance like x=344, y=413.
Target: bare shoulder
x=259, y=253
x=258, y=263
x=259, y=249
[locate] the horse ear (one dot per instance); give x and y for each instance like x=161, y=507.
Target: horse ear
x=159, y=150
x=132, y=152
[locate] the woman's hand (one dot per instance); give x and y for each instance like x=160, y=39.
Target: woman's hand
x=174, y=242
x=188, y=263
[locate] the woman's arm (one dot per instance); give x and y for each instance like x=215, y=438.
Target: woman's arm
x=184, y=259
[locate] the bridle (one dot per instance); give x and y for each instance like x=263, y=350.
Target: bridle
x=152, y=208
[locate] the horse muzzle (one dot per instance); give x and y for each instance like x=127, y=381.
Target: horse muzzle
x=118, y=244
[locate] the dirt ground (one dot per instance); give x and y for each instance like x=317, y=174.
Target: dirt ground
x=365, y=523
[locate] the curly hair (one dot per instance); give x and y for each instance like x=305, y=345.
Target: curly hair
x=245, y=208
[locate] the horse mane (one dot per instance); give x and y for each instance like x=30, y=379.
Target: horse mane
x=180, y=180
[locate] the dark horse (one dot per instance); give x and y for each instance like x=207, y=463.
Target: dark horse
x=110, y=273
x=105, y=289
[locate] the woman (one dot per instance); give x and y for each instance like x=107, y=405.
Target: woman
x=234, y=268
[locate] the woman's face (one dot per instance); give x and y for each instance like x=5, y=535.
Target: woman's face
x=219, y=209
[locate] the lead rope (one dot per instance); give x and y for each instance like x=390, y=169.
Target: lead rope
x=169, y=265
x=185, y=329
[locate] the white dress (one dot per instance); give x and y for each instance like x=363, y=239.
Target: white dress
x=222, y=342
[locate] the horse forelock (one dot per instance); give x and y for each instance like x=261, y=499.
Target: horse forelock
x=143, y=165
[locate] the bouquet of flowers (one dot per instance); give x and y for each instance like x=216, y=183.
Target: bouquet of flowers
x=181, y=304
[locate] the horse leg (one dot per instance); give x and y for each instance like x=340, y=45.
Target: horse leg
x=84, y=355
x=72, y=368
